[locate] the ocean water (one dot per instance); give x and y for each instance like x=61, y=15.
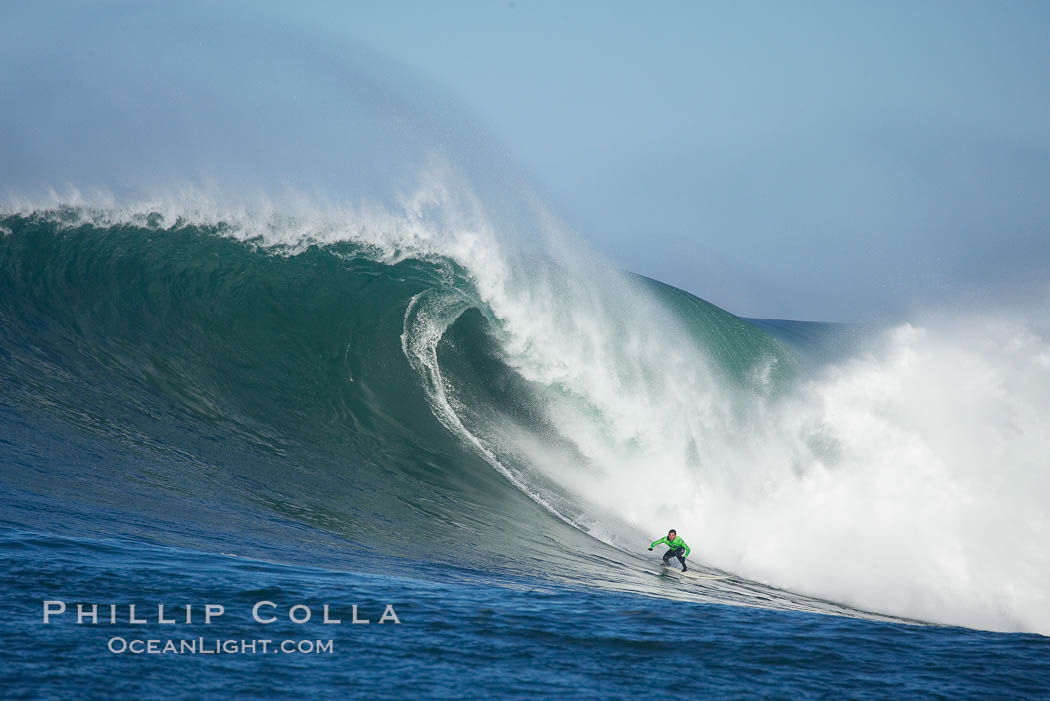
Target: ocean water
x=282, y=329
x=462, y=634
x=200, y=413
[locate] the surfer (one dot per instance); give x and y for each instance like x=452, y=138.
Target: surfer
x=676, y=546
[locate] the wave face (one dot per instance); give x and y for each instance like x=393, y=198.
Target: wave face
x=384, y=387
x=259, y=290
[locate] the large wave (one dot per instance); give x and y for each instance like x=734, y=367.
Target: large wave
x=908, y=478
x=217, y=243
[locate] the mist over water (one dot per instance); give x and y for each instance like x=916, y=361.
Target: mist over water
x=224, y=110
x=909, y=479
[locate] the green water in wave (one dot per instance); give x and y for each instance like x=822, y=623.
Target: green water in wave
x=267, y=386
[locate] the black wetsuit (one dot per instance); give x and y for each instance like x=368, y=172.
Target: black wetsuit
x=676, y=552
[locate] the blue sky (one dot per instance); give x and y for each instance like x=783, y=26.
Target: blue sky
x=805, y=159
x=819, y=160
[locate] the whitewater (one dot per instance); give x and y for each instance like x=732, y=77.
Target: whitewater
x=907, y=478
x=280, y=321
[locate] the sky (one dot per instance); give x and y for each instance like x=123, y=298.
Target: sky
x=815, y=160
x=824, y=160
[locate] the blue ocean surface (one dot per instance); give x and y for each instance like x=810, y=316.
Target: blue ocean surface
x=463, y=634
x=187, y=418
x=283, y=329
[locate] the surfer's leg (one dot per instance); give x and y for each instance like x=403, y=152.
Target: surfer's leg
x=681, y=557
x=667, y=557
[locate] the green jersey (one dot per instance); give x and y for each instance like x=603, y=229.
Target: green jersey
x=673, y=544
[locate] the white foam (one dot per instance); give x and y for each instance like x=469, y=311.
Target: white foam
x=911, y=481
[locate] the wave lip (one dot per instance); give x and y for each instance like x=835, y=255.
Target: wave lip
x=904, y=476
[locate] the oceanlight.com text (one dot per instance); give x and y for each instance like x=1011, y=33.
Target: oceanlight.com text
x=217, y=646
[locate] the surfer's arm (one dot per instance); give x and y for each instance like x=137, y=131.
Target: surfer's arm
x=657, y=542
x=687, y=549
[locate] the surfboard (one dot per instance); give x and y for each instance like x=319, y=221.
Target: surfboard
x=696, y=575
x=690, y=574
